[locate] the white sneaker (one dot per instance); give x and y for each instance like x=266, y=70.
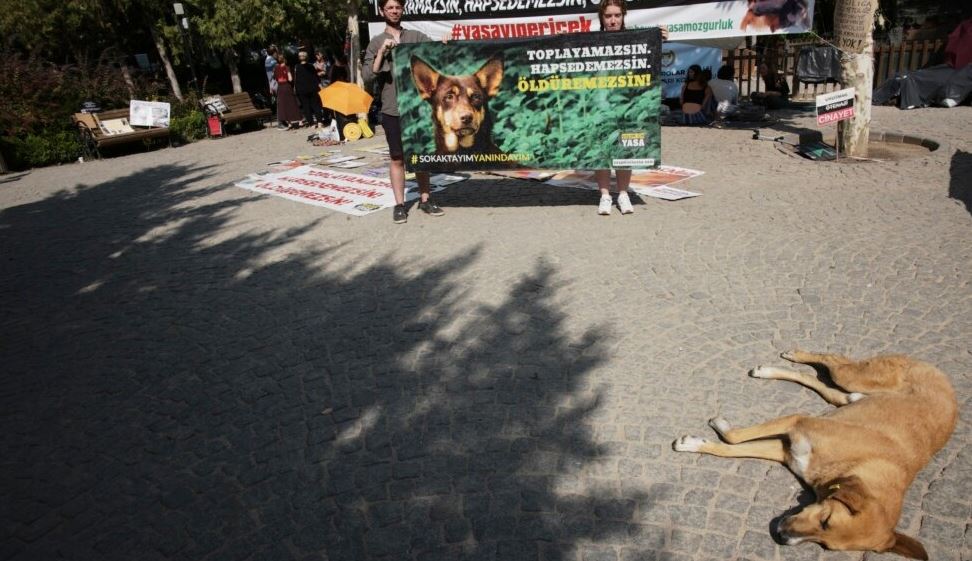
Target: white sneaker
x=604, y=207
x=624, y=203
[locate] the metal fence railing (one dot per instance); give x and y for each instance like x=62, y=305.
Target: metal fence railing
x=888, y=60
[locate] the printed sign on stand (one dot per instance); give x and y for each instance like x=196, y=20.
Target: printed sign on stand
x=835, y=106
x=149, y=113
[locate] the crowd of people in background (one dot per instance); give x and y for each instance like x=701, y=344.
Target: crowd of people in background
x=295, y=84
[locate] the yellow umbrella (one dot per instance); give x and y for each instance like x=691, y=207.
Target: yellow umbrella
x=346, y=98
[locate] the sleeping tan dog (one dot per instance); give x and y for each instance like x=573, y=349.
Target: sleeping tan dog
x=893, y=414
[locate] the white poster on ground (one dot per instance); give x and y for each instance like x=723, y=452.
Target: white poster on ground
x=350, y=193
x=643, y=181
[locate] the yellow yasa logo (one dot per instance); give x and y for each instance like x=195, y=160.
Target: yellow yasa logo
x=629, y=139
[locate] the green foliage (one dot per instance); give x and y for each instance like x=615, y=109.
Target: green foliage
x=63, y=32
x=576, y=128
x=229, y=24
x=38, y=99
x=38, y=95
x=55, y=55
x=189, y=126
x=42, y=149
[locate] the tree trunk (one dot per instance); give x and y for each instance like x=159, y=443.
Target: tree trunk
x=853, y=34
x=229, y=57
x=127, y=75
x=166, y=63
x=354, y=60
x=3, y=164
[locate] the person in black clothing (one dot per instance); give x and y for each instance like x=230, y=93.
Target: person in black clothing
x=307, y=86
x=696, y=97
x=339, y=70
x=776, y=92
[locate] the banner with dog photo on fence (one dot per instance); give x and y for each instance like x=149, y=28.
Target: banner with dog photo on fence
x=575, y=101
x=687, y=20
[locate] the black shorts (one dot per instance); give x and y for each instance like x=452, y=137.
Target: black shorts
x=393, y=135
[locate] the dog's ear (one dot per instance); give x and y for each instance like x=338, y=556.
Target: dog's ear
x=425, y=77
x=906, y=546
x=490, y=76
x=849, y=491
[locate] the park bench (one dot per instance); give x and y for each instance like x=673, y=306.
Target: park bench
x=93, y=139
x=239, y=109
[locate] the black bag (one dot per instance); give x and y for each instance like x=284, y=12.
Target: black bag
x=260, y=101
x=342, y=120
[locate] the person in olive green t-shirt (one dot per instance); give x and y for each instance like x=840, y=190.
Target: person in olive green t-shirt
x=378, y=67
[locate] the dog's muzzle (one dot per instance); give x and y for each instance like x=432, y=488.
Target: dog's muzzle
x=785, y=536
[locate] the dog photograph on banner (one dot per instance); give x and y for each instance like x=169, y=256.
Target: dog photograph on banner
x=574, y=101
x=686, y=20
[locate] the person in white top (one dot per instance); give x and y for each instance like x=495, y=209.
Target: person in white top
x=723, y=87
x=725, y=91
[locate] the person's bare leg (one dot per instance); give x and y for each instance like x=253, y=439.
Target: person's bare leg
x=624, y=181
x=422, y=177
x=603, y=177
x=396, y=173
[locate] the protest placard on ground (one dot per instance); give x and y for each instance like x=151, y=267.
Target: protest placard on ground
x=668, y=193
x=531, y=174
x=339, y=159
x=349, y=164
x=345, y=192
x=642, y=181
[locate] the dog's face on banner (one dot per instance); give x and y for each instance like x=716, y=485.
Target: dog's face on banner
x=459, y=103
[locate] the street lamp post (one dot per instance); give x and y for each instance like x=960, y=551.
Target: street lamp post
x=183, y=23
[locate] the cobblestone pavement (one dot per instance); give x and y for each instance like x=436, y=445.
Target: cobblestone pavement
x=192, y=371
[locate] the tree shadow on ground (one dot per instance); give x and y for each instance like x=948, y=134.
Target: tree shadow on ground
x=960, y=184
x=12, y=176
x=501, y=192
x=506, y=192
x=790, y=121
x=172, y=391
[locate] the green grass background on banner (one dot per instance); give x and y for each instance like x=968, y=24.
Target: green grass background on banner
x=577, y=129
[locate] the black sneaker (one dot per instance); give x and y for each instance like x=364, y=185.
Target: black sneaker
x=399, y=215
x=430, y=208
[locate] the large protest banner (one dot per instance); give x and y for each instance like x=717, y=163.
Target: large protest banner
x=676, y=60
x=574, y=101
x=686, y=19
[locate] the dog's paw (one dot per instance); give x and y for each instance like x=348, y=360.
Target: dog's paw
x=790, y=355
x=720, y=425
x=765, y=372
x=689, y=444
x=855, y=396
